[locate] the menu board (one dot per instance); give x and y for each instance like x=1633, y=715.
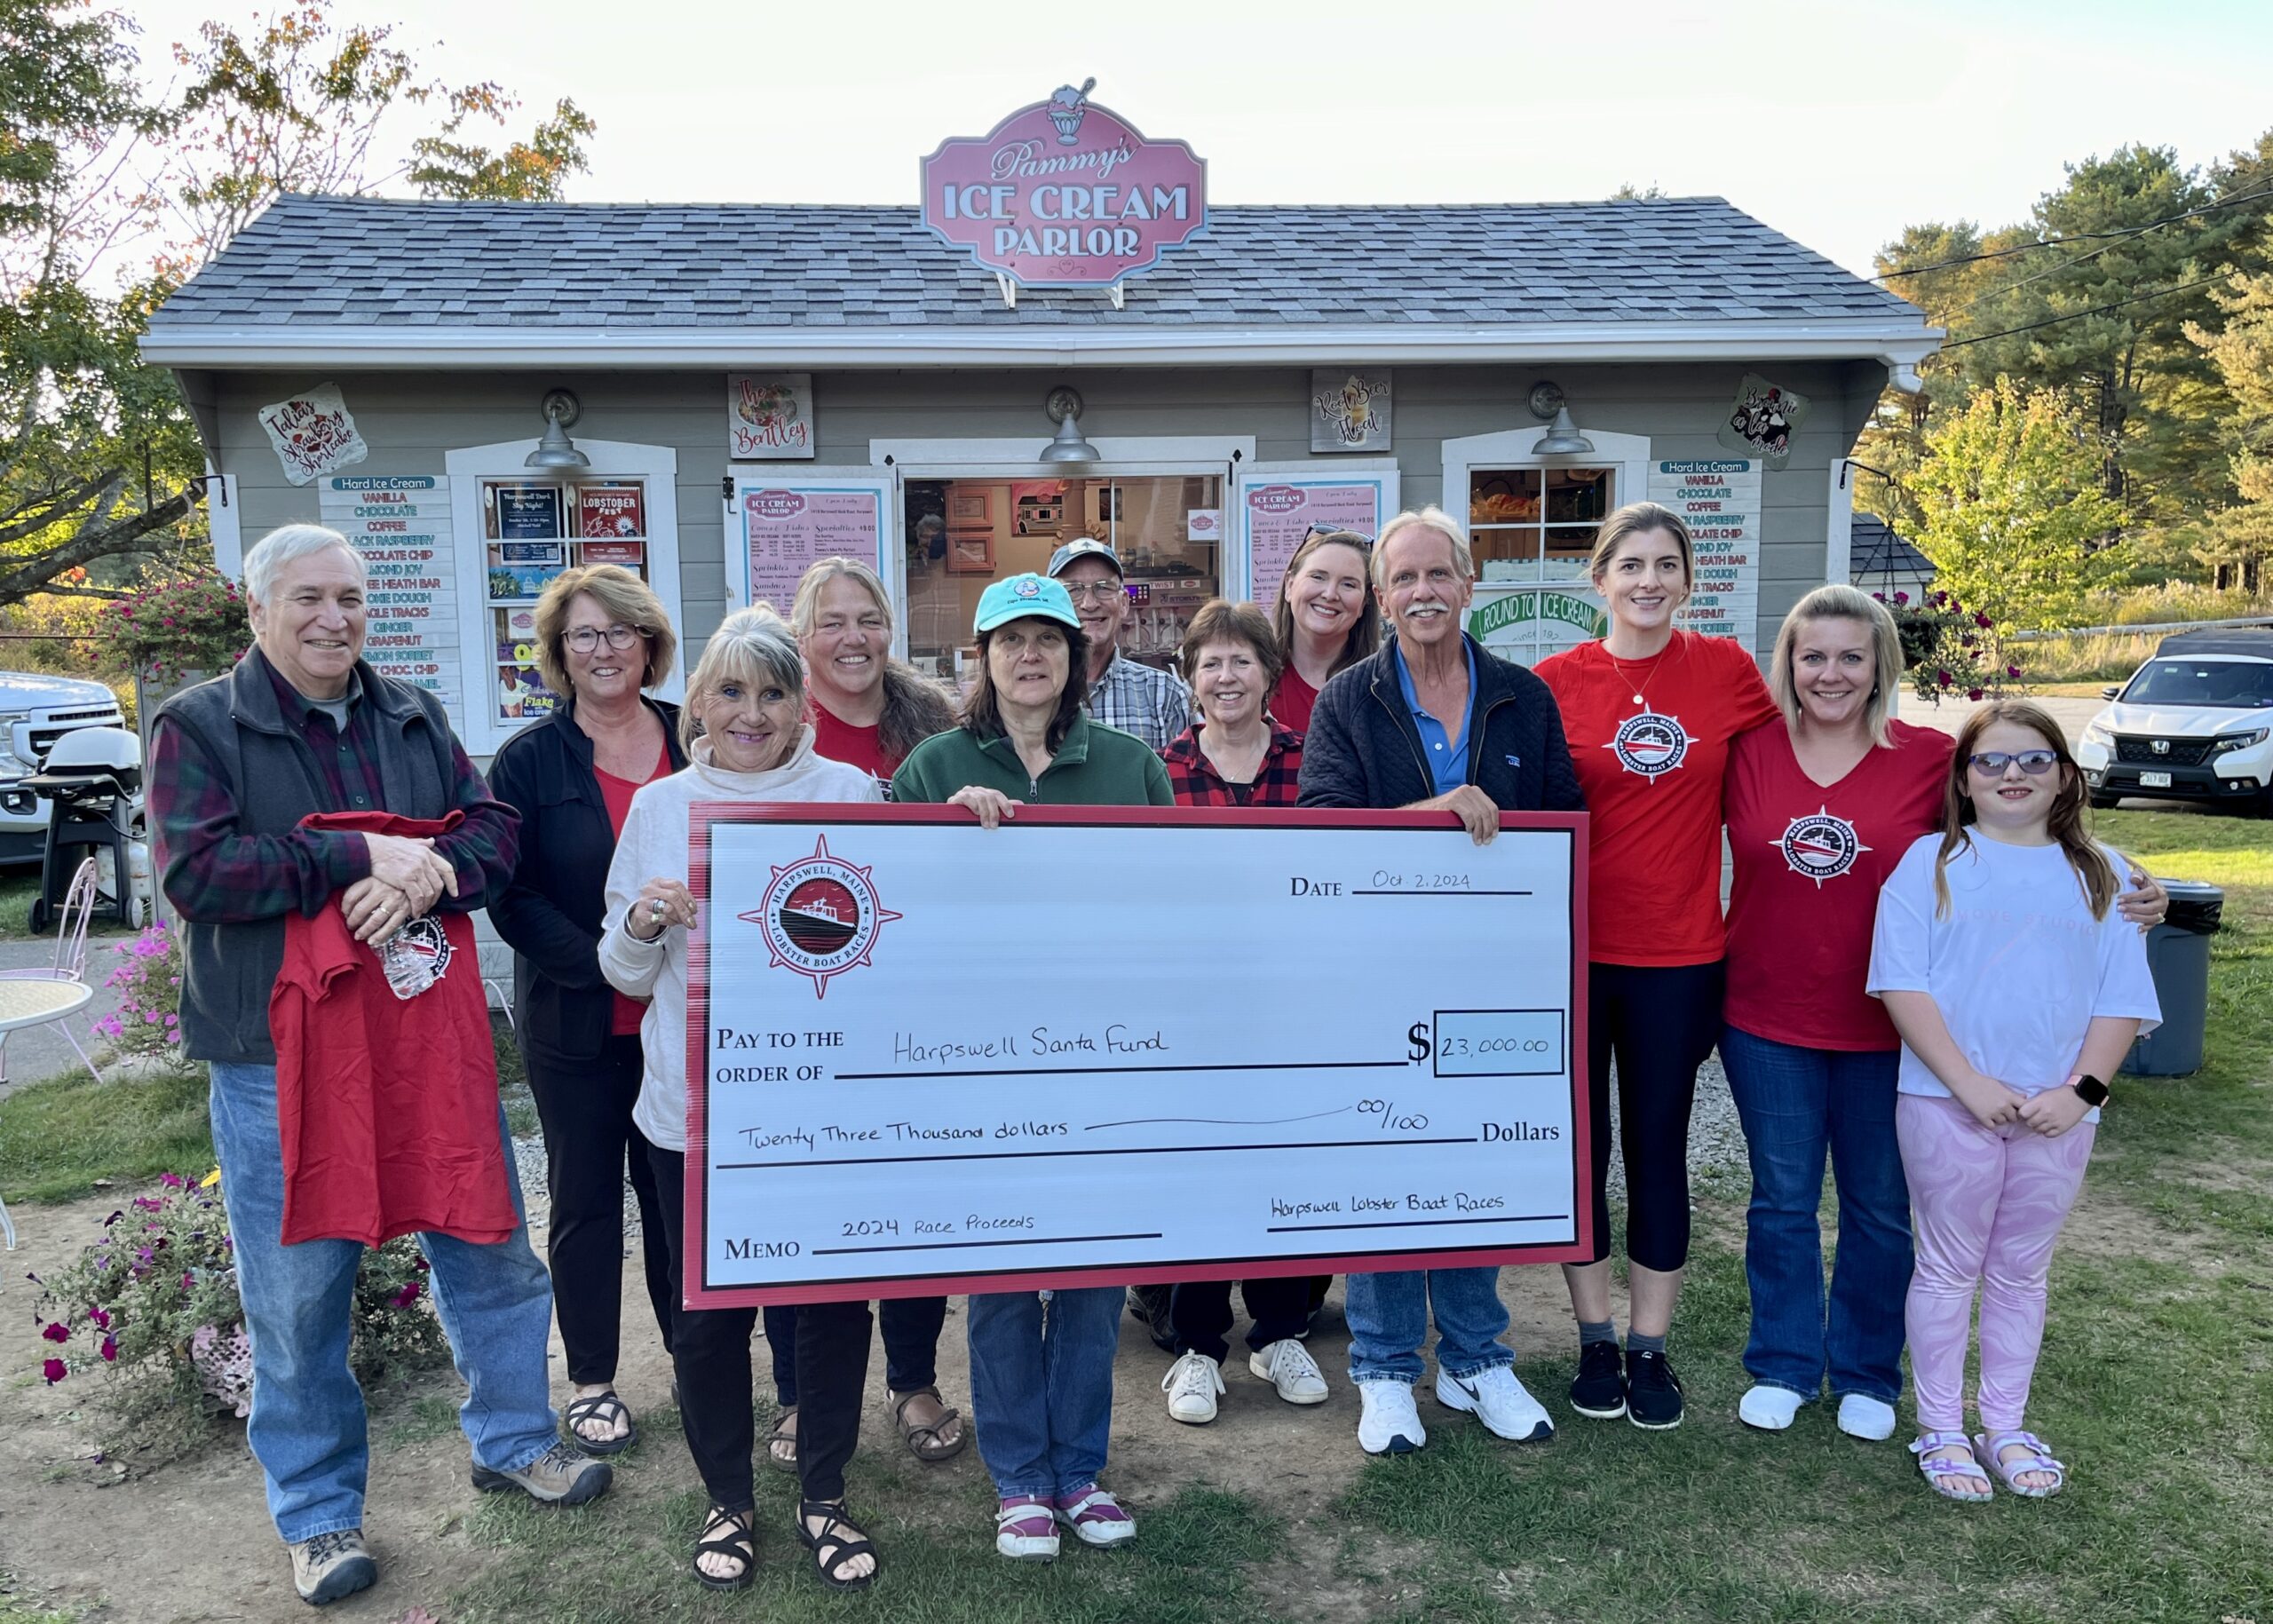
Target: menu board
x=1275, y=513
x=401, y=528
x=1719, y=500
x=787, y=525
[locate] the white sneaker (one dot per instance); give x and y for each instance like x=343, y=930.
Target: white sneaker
x=1862, y=1416
x=1287, y=1366
x=1495, y=1398
x=1387, y=1421
x=1770, y=1408
x=1192, y=1384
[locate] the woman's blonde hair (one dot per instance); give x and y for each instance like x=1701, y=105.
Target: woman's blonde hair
x=818, y=575
x=2094, y=873
x=625, y=597
x=753, y=646
x=1839, y=602
x=1638, y=518
x=1431, y=518
x=1364, y=634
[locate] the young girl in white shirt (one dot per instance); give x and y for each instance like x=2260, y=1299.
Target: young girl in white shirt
x=2016, y=989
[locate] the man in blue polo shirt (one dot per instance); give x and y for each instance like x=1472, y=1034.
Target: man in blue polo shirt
x=1435, y=723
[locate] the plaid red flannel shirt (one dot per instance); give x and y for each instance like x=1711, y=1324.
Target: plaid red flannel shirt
x=1195, y=782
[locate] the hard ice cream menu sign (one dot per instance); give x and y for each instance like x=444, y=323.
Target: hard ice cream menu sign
x=786, y=529
x=1719, y=499
x=401, y=528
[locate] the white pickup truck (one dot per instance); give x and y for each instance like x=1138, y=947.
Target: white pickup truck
x=34, y=711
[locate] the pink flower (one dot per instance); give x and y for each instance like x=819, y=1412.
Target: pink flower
x=2013, y=672
x=189, y=1276
x=173, y=1181
x=55, y=1332
x=1944, y=677
x=1973, y=694
x=101, y=1317
x=148, y=1203
x=1983, y=621
x=110, y=1349
x=1901, y=597
x=405, y=1297
x=54, y=1370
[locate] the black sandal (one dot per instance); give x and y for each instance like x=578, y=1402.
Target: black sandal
x=741, y=1548
x=604, y=1408
x=783, y=1433
x=831, y=1550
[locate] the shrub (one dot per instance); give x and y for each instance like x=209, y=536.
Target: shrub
x=196, y=622
x=152, y=1307
x=147, y=1021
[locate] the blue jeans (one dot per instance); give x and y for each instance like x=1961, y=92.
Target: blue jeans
x=307, y=1427
x=1795, y=1104
x=1042, y=1386
x=1388, y=1321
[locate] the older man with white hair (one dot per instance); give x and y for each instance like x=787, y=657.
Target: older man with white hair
x=304, y=726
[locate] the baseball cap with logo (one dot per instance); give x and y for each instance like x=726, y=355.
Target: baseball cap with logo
x=1019, y=596
x=1083, y=547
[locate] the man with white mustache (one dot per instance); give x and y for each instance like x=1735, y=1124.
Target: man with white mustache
x=1433, y=723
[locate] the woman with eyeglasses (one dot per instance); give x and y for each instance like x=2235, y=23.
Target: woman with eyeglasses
x=603, y=640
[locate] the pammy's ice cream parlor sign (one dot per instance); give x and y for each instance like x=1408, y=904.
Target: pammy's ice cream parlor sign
x=1064, y=194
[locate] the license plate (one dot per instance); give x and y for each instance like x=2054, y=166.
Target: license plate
x=2154, y=780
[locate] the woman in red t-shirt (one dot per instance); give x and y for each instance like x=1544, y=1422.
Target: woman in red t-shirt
x=1650, y=712
x=1820, y=806
x=1327, y=621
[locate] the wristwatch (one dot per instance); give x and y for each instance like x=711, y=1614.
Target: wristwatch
x=2088, y=1089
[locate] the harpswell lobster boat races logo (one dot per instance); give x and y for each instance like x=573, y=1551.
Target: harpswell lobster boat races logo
x=1820, y=846
x=821, y=916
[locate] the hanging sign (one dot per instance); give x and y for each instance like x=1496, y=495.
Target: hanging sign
x=1275, y=507
x=313, y=433
x=769, y=415
x=1064, y=194
x=1763, y=420
x=401, y=529
x=1718, y=498
x=1349, y=410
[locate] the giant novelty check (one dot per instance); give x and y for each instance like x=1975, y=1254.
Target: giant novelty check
x=1127, y=1045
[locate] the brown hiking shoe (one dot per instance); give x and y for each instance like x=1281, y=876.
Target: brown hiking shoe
x=559, y=1476
x=332, y=1565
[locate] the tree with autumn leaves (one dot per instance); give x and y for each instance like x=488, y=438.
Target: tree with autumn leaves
x=110, y=198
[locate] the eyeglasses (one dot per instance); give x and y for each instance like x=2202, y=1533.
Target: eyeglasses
x=1102, y=591
x=2034, y=763
x=584, y=640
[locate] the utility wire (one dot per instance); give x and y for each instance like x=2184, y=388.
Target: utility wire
x=2080, y=236
x=2094, y=310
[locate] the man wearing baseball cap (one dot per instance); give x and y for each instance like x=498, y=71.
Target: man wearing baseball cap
x=1153, y=705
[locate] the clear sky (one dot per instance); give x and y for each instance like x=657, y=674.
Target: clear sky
x=1836, y=123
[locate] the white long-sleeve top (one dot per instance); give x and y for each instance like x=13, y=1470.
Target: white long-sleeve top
x=653, y=846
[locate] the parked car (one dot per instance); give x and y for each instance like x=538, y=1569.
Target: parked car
x=2193, y=723
x=35, y=710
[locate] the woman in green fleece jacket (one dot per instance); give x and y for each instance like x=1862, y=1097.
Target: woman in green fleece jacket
x=1041, y=1363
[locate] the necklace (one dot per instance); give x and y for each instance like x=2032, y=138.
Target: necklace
x=1618, y=666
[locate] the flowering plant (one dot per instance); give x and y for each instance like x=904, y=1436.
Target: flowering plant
x=152, y=1306
x=1948, y=649
x=197, y=622
x=147, y=1021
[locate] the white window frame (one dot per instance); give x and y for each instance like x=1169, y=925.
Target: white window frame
x=468, y=467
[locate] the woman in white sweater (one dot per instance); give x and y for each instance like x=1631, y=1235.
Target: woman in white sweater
x=746, y=701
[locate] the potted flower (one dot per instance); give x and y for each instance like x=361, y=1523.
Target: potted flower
x=177, y=633
x=1949, y=649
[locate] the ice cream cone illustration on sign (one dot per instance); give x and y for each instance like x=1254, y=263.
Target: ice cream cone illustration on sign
x=1068, y=108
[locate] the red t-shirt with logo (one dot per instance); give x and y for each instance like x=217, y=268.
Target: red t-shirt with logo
x=1293, y=700
x=1651, y=773
x=615, y=795
x=855, y=747
x=1809, y=861
x=386, y=1081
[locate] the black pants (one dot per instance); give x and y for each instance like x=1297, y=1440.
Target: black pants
x=589, y=1146
x=1201, y=1311
x=710, y=1352
x=911, y=1327
x=1661, y=1023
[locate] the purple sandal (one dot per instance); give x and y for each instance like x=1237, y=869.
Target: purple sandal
x=1991, y=1447
x=1026, y=1528
x=1942, y=1474
x=1094, y=1517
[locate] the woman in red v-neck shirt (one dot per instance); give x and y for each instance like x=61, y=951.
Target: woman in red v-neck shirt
x=1650, y=711
x=1821, y=804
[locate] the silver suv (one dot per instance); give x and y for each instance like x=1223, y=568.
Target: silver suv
x=35, y=712
x=2193, y=723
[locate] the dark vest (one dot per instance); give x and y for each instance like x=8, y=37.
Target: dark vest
x=272, y=778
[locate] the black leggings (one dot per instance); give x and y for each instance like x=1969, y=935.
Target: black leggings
x=585, y=1109
x=911, y=1327
x=710, y=1352
x=1661, y=1022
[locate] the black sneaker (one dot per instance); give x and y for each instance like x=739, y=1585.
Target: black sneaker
x=1599, y=1389
x=1148, y=1305
x=1652, y=1393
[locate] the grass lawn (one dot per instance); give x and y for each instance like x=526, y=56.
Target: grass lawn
x=18, y=887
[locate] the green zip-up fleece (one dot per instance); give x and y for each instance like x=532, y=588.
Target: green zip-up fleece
x=1096, y=766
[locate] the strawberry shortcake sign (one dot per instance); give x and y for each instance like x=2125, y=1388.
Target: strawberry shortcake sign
x=1064, y=194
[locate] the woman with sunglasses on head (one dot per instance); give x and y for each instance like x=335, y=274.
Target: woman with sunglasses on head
x=2016, y=987
x=603, y=642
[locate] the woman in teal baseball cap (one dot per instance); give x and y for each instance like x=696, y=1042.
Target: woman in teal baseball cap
x=1041, y=1363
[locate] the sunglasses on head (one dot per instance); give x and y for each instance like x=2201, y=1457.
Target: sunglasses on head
x=2034, y=763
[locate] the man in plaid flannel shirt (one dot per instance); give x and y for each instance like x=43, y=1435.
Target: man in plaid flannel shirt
x=1153, y=705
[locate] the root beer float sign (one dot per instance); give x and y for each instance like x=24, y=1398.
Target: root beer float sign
x=1064, y=194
